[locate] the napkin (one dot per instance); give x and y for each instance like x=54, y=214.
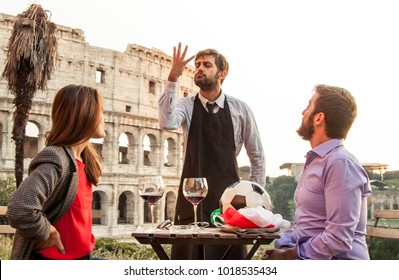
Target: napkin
x=253, y=217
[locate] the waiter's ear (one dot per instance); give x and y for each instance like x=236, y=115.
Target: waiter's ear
x=223, y=74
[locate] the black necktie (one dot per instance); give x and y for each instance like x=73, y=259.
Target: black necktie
x=211, y=107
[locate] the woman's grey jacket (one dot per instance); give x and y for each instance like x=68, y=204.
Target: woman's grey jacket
x=42, y=198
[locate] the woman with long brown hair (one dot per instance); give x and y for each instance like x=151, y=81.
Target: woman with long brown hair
x=51, y=209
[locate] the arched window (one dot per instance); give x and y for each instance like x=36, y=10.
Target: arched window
x=98, y=145
x=31, y=140
x=122, y=211
x=170, y=152
x=96, y=208
x=123, y=149
x=147, y=150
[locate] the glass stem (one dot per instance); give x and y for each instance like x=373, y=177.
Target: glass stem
x=152, y=213
x=195, y=215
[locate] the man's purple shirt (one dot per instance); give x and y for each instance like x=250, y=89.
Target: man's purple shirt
x=331, y=206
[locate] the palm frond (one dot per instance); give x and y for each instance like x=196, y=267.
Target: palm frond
x=32, y=50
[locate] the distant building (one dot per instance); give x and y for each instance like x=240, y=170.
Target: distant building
x=130, y=84
x=372, y=167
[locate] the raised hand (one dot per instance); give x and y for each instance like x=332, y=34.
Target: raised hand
x=179, y=62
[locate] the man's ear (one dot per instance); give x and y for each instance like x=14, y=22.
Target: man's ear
x=223, y=74
x=319, y=119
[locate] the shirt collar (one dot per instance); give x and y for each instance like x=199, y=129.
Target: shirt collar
x=326, y=147
x=219, y=101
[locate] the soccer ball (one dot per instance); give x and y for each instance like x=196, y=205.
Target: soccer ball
x=244, y=194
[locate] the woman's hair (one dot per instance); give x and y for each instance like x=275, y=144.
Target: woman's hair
x=339, y=108
x=76, y=114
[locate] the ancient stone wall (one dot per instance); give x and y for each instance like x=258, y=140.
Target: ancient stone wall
x=130, y=83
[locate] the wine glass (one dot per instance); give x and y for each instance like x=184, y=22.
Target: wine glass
x=195, y=190
x=151, y=189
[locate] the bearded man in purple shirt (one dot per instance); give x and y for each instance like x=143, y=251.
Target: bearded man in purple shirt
x=331, y=196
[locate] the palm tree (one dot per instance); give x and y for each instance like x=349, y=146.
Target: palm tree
x=30, y=61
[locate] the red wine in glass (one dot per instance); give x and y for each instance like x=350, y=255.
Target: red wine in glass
x=151, y=199
x=194, y=199
x=195, y=190
x=151, y=189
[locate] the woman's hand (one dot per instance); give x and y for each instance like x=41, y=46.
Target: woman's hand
x=53, y=240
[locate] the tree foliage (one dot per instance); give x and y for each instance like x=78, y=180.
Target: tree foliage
x=32, y=50
x=286, y=165
x=391, y=175
x=384, y=249
x=30, y=61
x=7, y=189
x=281, y=193
x=373, y=176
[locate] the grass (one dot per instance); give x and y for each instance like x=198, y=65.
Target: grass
x=110, y=249
x=5, y=246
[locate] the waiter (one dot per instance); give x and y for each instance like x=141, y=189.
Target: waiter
x=215, y=128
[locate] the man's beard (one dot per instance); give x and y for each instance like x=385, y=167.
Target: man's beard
x=306, y=130
x=206, y=83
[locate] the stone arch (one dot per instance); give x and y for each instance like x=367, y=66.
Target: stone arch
x=151, y=150
x=126, y=146
x=98, y=144
x=126, y=208
x=147, y=212
x=182, y=154
x=99, y=207
x=395, y=205
x=1, y=140
x=123, y=144
x=170, y=203
x=31, y=145
x=170, y=152
x=107, y=145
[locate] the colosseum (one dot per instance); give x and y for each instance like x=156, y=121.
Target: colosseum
x=130, y=83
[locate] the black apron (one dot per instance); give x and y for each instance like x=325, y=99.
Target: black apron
x=210, y=153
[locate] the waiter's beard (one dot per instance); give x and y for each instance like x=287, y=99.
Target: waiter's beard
x=206, y=83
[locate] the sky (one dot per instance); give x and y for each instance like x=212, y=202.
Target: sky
x=277, y=50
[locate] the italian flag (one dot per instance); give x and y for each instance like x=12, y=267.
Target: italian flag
x=254, y=217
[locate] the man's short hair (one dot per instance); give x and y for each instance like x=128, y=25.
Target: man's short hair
x=339, y=108
x=220, y=60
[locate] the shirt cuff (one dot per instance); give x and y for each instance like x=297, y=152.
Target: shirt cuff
x=284, y=240
x=170, y=87
x=300, y=247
